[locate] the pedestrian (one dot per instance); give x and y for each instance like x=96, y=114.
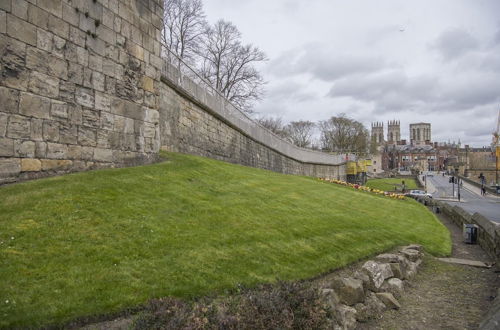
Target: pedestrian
x=484, y=191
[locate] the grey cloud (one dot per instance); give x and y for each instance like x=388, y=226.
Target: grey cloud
x=323, y=63
x=454, y=43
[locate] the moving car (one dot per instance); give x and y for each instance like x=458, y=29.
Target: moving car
x=418, y=193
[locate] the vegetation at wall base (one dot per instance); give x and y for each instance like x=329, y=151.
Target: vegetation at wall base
x=388, y=184
x=99, y=242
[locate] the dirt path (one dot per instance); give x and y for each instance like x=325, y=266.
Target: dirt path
x=444, y=296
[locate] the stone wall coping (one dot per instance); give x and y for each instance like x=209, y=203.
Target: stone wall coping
x=220, y=107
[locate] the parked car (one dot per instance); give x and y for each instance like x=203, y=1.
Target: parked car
x=418, y=193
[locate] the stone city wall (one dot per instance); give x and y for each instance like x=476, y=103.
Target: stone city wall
x=81, y=88
x=194, y=120
x=78, y=85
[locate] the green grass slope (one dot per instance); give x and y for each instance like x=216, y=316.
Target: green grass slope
x=389, y=183
x=98, y=242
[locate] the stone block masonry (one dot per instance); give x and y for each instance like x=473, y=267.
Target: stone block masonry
x=83, y=86
x=79, y=85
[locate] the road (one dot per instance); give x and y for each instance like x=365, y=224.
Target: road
x=470, y=196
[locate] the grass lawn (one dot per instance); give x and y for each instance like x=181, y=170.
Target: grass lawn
x=389, y=183
x=98, y=242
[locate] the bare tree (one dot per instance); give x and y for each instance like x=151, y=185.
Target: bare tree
x=275, y=125
x=229, y=66
x=184, y=25
x=300, y=132
x=342, y=134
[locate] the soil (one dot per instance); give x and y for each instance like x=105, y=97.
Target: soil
x=445, y=296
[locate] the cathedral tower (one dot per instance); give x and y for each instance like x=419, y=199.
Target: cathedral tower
x=393, y=131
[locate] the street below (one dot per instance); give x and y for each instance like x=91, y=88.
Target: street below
x=470, y=197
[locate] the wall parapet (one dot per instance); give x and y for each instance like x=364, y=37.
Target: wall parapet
x=220, y=107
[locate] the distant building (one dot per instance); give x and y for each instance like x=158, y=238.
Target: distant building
x=393, y=132
x=378, y=133
x=420, y=134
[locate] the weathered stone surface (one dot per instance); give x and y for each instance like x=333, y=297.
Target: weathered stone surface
x=52, y=6
x=412, y=255
x=394, y=286
x=374, y=273
x=9, y=167
x=397, y=271
x=59, y=110
x=50, y=131
x=3, y=124
x=345, y=316
x=102, y=102
x=56, y=164
x=349, y=290
x=417, y=247
x=36, y=129
x=388, y=300
x=3, y=22
x=371, y=308
x=19, y=127
x=43, y=84
x=386, y=270
x=10, y=99
x=30, y=165
x=84, y=97
x=21, y=30
x=34, y=106
x=103, y=155
x=87, y=136
x=24, y=148
x=68, y=133
x=6, y=147
x=13, y=70
x=57, y=151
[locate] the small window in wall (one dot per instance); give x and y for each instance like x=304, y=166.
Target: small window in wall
x=374, y=162
x=374, y=170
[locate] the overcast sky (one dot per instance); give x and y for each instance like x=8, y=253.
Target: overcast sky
x=434, y=61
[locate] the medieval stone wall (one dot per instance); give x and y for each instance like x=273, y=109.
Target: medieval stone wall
x=189, y=125
x=81, y=88
x=78, y=85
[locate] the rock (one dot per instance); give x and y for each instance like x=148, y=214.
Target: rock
x=349, y=290
x=30, y=165
x=394, y=260
x=374, y=273
x=371, y=308
x=346, y=317
x=412, y=255
x=386, y=271
x=388, y=300
x=417, y=247
x=394, y=286
x=330, y=298
x=396, y=270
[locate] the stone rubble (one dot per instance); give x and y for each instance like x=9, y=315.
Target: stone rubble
x=372, y=289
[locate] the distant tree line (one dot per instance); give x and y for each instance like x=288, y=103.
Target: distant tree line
x=216, y=51
x=339, y=134
x=226, y=63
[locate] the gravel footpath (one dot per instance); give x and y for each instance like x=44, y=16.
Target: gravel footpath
x=445, y=296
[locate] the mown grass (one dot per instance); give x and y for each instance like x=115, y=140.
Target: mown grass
x=98, y=242
x=389, y=184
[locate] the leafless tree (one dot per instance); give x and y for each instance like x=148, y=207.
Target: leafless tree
x=184, y=26
x=275, y=125
x=342, y=134
x=300, y=132
x=229, y=66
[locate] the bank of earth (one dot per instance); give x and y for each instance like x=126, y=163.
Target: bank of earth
x=95, y=243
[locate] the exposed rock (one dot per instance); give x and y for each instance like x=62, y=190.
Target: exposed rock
x=412, y=255
x=349, y=290
x=386, y=271
x=330, y=298
x=417, y=247
x=394, y=286
x=346, y=317
x=397, y=271
x=374, y=273
x=388, y=300
x=371, y=308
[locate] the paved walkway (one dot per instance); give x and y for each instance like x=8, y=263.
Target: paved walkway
x=445, y=296
x=471, y=199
